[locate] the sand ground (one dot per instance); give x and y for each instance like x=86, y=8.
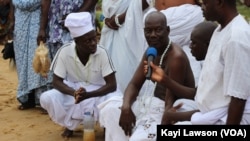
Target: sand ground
x=28, y=125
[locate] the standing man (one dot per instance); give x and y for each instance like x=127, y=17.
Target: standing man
x=83, y=76
x=113, y=38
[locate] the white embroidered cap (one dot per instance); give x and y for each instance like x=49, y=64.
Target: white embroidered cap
x=79, y=23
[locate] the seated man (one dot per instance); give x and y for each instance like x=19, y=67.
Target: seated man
x=144, y=103
x=200, y=38
x=83, y=76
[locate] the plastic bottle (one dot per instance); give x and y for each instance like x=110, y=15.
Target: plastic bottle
x=88, y=127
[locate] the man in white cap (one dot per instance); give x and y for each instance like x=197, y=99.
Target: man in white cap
x=83, y=77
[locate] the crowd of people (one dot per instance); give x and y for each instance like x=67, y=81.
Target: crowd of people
x=199, y=73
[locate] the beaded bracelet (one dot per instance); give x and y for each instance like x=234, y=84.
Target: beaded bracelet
x=117, y=20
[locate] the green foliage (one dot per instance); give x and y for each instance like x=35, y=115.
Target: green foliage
x=244, y=10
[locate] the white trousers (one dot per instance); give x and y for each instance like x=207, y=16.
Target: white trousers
x=63, y=110
x=148, y=116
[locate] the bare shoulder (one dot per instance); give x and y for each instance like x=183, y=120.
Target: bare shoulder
x=164, y=4
x=177, y=53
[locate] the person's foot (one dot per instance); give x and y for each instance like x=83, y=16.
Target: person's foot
x=43, y=111
x=30, y=103
x=26, y=106
x=67, y=133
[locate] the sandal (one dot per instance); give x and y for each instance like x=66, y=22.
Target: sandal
x=67, y=133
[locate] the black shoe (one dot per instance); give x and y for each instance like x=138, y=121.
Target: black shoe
x=29, y=104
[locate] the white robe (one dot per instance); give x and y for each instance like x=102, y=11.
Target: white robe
x=63, y=111
x=147, y=109
x=127, y=44
x=225, y=74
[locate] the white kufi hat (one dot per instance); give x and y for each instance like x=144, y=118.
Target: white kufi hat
x=79, y=23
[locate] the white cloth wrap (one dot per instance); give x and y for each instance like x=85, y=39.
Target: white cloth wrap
x=63, y=111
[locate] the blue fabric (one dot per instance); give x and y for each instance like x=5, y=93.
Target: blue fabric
x=58, y=35
x=27, y=23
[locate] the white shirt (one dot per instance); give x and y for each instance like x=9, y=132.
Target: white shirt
x=67, y=65
x=226, y=67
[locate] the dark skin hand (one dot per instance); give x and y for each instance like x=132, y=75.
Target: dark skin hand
x=127, y=123
x=127, y=118
x=174, y=116
x=109, y=87
x=110, y=22
x=88, y=5
x=171, y=116
x=45, y=5
x=62, y=87
x=172, y=110
x=158, y=75
x=82, y=94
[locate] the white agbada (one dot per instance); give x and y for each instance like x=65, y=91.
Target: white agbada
x=225, y=70
x=225, y=73
x=127, y=44
x=66, y=64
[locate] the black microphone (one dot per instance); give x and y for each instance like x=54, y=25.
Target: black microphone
x=151, y=54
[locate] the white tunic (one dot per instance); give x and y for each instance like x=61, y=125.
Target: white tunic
x=127, y=44
x=225, y=71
